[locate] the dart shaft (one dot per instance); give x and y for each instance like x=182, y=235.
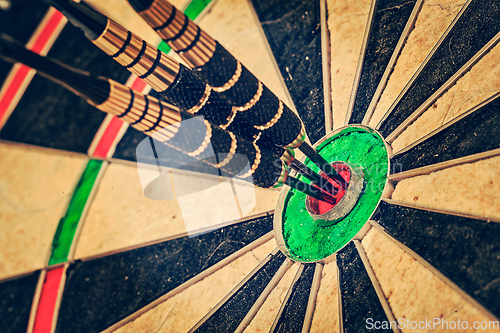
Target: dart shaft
x=316, y=179
x=309, y=190
x=322, y=164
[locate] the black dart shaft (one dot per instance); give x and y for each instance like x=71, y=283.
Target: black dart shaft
x=309, y=190
x=322, y=164
x=307, y=172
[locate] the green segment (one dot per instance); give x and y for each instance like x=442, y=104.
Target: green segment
x=163, y=47
x=195, y=8
x=308, y=241
x=66, y=229
x=192, y=11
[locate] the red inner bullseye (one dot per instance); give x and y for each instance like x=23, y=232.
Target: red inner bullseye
x=321, y=207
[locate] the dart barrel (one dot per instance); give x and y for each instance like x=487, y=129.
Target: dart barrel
x=186, y=38
x=193, y=136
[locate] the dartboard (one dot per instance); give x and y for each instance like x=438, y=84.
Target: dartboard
x=407, y=91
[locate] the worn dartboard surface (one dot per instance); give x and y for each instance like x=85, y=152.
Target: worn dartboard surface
x=82, y=249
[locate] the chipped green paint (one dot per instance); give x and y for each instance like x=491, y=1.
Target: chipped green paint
x=358, y=147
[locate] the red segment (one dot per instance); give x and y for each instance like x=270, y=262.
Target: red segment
x=11, y=91
x=48, y=299
x=322, y=207
x=138, y=85
x=108, y=137
x=47, y=31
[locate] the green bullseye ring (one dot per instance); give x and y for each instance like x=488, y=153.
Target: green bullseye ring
x=296, y=232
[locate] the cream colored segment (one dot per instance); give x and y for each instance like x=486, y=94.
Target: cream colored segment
x=326, y=314
x=413, y=291
x=347, y=23
x=432, y=21
x=469, y=188
x=266, y=200
x=233, y=24
x=183, y=311
x=35, y=188
x=477, y=85
x=114, y=223
x=264, y=318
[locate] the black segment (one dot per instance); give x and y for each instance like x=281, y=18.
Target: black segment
x=292, y=317
x=16, y=297
x=19, y=22
x=293, y=30
x=51, y=116
x=479, y=23
x=465, y=250
x=228, y=317
x=186, y=90
x=102, y=291
x=360, y=304
x=475, y=133
x=219, y=70
x=389, y=20
x=285, y=131
x=269, y=170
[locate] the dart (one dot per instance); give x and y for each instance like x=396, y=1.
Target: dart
x=216, y=66
x=263, y=117
x=164, y=122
